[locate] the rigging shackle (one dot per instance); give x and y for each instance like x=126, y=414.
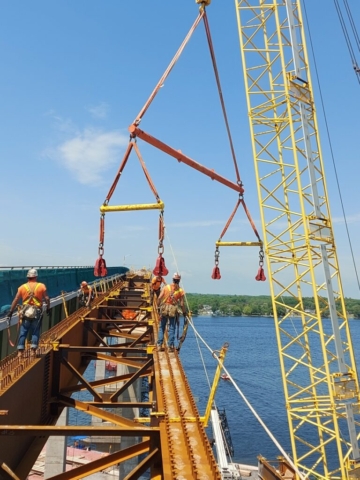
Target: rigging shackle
x=261, y=257
x=216, y=270
x=260, y=277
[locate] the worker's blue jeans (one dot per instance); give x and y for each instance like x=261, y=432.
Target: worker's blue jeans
x=163, y=323
x=32, y=327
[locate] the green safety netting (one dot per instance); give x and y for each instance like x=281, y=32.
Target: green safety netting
x=55, y=279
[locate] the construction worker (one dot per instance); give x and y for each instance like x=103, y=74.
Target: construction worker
x=170, y=299
x=32, y=294
x=86, y=294
x=156, y=283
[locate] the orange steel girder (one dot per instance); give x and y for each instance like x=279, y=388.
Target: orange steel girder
x=33, y=393
x=136, y=132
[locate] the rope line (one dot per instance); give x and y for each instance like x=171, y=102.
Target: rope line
x=199, y=339
x=331, y=149
x=188, y=309
x=168, y=70
x=352, y=23
x=217, y=77
x=347, y=39
x=252, y=409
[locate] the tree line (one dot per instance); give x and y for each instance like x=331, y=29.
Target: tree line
x=261, y=305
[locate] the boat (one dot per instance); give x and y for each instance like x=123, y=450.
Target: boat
x=225, y=376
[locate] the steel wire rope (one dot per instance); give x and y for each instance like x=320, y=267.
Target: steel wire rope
x=223, y=108
x=199, y=339
x=352, y=23
x=198, y=346
x=346, y=36
x=188, y=309
x=252, y=409
x=331, y=148
x=168, y=69
x=217, y=77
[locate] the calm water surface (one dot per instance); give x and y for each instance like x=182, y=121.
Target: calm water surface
x=252, y=361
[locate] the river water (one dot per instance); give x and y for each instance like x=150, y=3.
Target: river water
x=252, y=361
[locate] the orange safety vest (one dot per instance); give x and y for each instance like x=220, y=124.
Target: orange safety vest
x=172, y=296
x=86, y=290
x=32, y=296
x=156, y=284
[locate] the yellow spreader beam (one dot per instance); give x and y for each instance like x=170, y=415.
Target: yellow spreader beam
x=238, y=244
x=128, y=208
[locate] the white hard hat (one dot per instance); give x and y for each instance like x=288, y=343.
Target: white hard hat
x=176, y=276
x=32, y=273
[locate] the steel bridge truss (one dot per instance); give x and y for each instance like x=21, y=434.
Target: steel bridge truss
x=316, y=355
x=169, y=443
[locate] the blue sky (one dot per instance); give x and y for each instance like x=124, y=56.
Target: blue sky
x=76, y=74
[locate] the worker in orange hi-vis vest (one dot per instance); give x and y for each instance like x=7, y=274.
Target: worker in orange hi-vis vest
x=32, y=294
x=86, y=294
x=156, y=284
x=170, y=299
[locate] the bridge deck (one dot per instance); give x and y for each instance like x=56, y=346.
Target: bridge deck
x=34, y=391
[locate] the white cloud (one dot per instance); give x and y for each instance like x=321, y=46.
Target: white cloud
x=99, y=111
x=63, y=125
x=90, y=153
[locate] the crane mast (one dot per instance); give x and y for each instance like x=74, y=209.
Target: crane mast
x=316, y=355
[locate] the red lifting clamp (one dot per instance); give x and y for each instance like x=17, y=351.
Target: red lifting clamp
x=160, y=267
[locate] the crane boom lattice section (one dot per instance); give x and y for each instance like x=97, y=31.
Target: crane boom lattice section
x=316, y=355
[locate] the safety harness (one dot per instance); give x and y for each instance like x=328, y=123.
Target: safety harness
x=31, y=296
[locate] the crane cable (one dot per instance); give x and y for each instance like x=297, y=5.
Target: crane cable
x=352, y=23
x=347, y=37
x=199, y=338
x=331, y=148
x=216, y=271
x=217, y=77
x=252, y=409
x=161, y=82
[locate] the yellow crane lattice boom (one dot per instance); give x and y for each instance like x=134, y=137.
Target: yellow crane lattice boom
x=316, y=355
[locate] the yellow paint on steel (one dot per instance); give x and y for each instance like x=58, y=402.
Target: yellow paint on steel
x=128, y=208
x=222, y=355
x=64, y=303
x=238, y=244
x=299, y=244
